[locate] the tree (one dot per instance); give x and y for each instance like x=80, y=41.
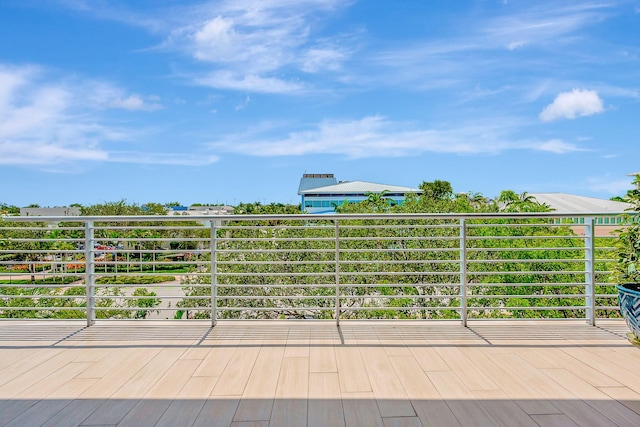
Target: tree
x=436, y=190
x=9, y=209
x=120, y=207
x=152, y=208
x=510, y=201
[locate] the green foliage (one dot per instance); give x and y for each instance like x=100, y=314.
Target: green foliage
x=133, y=280
x=437, y=190
x=627, y=269
x=258, y=208
x=120, y=207
x=9, y=209
x=145, y=304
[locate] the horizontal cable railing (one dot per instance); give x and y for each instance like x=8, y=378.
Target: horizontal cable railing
x=399, y=266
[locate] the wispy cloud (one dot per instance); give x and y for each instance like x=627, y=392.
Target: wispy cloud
x=569, y=105
x=247, y=82
x=608, y=185
x=525, y=37
x=135, y=102
x=176, y=159
x=541, y=24
x=46, y=121
x=104, y=95
x=253, y=45
x=376, y=136
x=557, y=146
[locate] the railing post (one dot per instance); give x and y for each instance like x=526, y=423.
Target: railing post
x=337, y=269
x=89, y=271
x=463, y=271
x=589, y=271
x=214, y=275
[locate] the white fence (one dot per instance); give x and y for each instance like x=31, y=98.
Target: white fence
x=414, y=266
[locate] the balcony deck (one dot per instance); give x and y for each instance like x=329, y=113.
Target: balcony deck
x=300, y=373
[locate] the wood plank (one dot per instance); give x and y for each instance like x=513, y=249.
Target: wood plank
x=402, y=422
x=38, y=414
x=428, y=357
x=127, y=396
x=21, y=376
x=391, y=339
x=217, y=412
x=554, y=420
x=386, y=386
x=322, y=355
x=24, y=401
x=235, y=375
x=221, y=346
x=156, y=401
x=427, y=402
x=126, y=358
x=351, y=371
x=73, y=414
x=250, y=424
x=460, y=399
x=197, y=388
x=258, y=395
x=515, y=378
x=51, y=383
x=361, y=410
x=556, y=358
x=290, y=405
x=622, y=374
x=624, y=395
x=181, y=413
x=505, y=411
x=602, y=404
x=414, y=380
x=189, y=401
x=471, y=375
x=298, y=341
x=325, y=400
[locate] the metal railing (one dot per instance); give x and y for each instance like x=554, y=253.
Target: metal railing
x=400, y=266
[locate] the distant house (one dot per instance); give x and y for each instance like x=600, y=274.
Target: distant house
x=58, y=211
x=200, y=210
x=570, y=203
x=320, y=193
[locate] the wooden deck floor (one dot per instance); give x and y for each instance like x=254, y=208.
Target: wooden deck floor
x=293, y=373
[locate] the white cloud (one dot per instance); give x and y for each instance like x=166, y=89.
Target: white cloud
x=375, y=136
x=549, y=32
x=557, y=146
x=46, y=122
x=541, y=24
x=244, y=104
x=569, y=105
x=42, y=153
x=135, y=102
x=316, y=60
x=515, y=45
x=104, y=95
x=253, y=45
x=176, y=159
x=248, y=83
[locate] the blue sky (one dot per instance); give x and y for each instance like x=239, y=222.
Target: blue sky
x=231, y=101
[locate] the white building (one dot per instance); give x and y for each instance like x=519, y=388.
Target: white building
x=58, y=211
x=318, y=197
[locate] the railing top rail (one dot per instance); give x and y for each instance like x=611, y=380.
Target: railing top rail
x=307, y=217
